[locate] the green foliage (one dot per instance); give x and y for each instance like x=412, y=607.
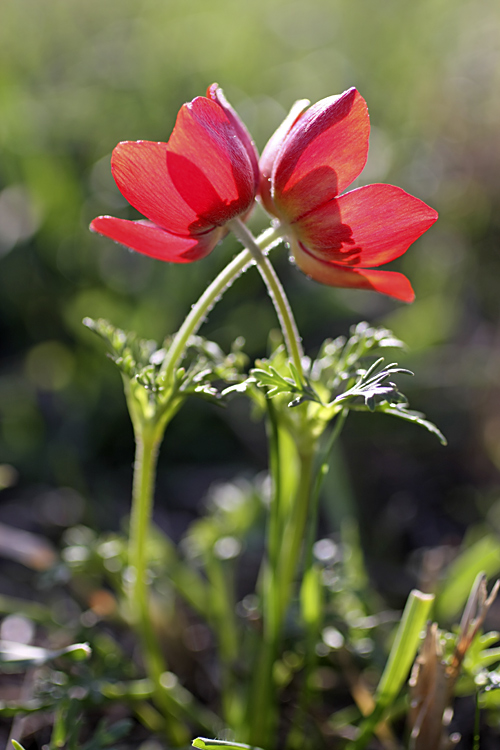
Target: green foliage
x=141, y=360
x=402, y=411
x=341, y=377
x=404, y=647
x=341, y=614
x=480, y=656
x=153, y=400
x=266, y=376
x=481, y=555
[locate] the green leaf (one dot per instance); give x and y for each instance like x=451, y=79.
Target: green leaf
x=488, y=639
x=32, y=610
x=340, y=377
x=482, y=556
x=17, y=745
x=402, y=412
x=311, y=594
x=239, y=387
x=276, y=384
x=295, y=373
x=401, y=657
x=405, y=646
x=373, y=387
x=14, y=708
x=127, y=351
x=141, y=361
x=61, y=726
x=19, y=657
x=202, y=743
x=488, y=657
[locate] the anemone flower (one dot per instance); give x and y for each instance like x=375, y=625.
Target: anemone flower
x=188, y=188
x=337, y=238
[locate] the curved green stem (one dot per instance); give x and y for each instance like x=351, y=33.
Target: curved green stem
x=276, y=292
x=148, y=437
x=313, y=621
x=284, y=552
x=210, y=296
x=321, y=474
x=146, y=454
x=294, y=535
x=262, y=712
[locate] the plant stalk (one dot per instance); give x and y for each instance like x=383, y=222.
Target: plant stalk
x=210, y=296
x=148, y=437
x=284, y=553
x=276, y=292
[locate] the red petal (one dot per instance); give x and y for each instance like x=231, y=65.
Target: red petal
x=140, y=171
x=366, y=227
x=149, y=239
x=271, y=151
x=200, y=179
x=215, y=93
x=208, y=163
x=386, y=282
x=323, y=153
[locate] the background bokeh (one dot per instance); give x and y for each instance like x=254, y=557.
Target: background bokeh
x=76, y=77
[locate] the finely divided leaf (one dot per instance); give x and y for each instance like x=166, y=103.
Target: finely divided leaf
x=401, y=411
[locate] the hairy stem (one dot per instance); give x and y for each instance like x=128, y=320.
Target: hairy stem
x=210, y=296
x=148, y=438
x=276, y=292
x=284, y=547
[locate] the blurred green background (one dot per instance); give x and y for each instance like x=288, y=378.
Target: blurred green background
x=76, y=77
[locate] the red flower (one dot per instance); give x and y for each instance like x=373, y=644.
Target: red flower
x=337, y=239
x=187, y=188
